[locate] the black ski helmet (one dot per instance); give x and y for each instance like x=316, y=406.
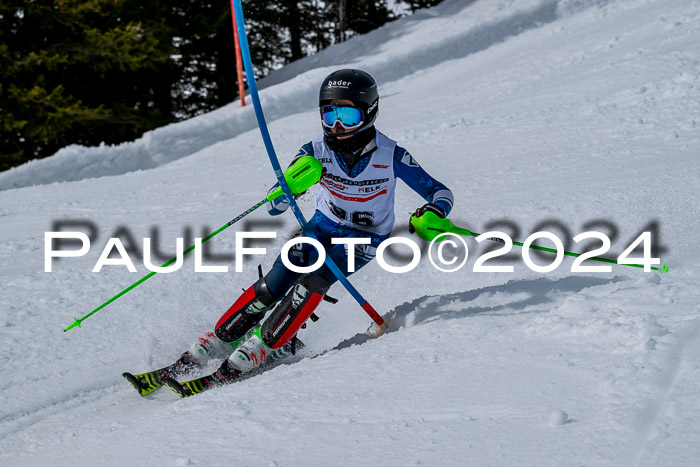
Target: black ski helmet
x=354, y=85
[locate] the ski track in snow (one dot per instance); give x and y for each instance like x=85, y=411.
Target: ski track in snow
x=652, y=429
x=566, y=115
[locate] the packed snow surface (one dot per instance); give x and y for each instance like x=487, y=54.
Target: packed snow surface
x=562, y=116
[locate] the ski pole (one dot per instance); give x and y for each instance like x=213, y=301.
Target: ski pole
x=302, y=175
x=429, y=226
x=253, y=87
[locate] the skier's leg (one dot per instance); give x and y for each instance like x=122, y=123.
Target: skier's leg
x=282, y=326
x=245, y=313
x=232, y=327
x=293, y=311
x=250, y=308
x=242, y=316
x=297, y=305
x=299, y=302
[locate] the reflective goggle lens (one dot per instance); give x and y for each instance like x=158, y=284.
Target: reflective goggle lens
x=349, y=117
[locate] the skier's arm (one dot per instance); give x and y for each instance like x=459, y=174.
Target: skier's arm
x=279, y=205
x=407, y=169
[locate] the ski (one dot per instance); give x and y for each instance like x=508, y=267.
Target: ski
x=199, y=385
x=187, y=388
x=146, y=383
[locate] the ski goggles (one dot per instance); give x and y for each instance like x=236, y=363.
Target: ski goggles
x=349, y=117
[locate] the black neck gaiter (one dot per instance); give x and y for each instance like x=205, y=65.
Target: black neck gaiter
x=352, y=149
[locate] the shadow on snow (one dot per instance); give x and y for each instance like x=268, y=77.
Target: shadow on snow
x=511, y=297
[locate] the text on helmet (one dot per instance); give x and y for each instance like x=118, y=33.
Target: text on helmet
x=339, y=83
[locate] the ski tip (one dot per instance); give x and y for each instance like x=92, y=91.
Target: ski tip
x=131, y=379
x=175, y=387
x=665, y=268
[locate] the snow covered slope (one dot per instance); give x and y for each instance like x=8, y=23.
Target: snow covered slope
x=564, y=116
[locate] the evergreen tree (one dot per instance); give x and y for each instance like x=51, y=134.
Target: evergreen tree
x=204, y=56
x=364, y=16
x=76, y=71
x=92, y=71
x=359, y=17
x=317, y=25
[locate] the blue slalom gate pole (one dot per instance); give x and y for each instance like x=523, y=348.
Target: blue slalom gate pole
x=252, y=85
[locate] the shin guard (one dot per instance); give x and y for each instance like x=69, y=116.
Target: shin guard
x=293, y=311
x=245, y=313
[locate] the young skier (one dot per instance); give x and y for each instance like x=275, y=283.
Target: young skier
x=355, y=199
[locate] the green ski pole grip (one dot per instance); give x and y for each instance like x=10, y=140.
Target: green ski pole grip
x=300, y=176
x=430, y=225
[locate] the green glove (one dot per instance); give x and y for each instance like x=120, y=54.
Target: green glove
x=304, y=173
x=428, y=224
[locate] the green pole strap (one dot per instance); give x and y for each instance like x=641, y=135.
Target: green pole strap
x=430, y=225
x=300, y=176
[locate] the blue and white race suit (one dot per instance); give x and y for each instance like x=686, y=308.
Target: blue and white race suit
x=354, y=203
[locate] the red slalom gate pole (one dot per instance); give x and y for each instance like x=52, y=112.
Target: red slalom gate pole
x=239, y=61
